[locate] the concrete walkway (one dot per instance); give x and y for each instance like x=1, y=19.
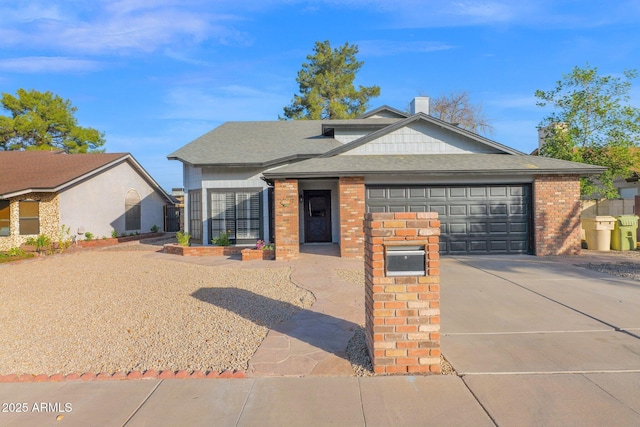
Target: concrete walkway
x=314, y=341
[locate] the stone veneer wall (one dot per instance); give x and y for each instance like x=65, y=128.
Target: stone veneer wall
x=402, y=312
x=352, y=209
x=49, y=219
x=556, y=205
x=287, y=233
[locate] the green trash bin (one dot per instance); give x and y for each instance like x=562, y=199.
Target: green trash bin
x=623, y=236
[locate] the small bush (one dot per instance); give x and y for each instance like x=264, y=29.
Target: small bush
x=155, y=228
x=16, y=252
x=88, y=236
x=221, y=240
x=41, y=243
x=183, y=238
x=64, y=238
x=114, y=233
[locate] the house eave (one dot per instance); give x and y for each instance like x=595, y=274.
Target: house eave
x=422, y=173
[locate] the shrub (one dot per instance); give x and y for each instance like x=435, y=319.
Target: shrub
x=64, y=238
x=16, y=252
x=261, y=244
x=183, y=238
x=155, y=228
x=114, y=233
x=221, y=240
x=88, y=236
x=41, y=243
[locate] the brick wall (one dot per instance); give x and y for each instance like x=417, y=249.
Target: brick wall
x=287, y=233
x=556, y=204
x=402, y=312
x=352, y=210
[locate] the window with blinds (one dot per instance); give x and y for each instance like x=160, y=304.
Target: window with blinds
x=237, y=213
x=195, y=215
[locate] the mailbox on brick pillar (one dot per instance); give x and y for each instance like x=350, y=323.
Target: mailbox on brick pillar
x=405, y=260
x=402, y=285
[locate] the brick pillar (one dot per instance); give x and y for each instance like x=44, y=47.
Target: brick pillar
x=287, y=231
x=636, y=211
x=352, y=210
x=556, y=204
x=402, y=312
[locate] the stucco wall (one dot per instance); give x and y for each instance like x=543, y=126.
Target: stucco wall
x=98, y=205
x=49, y=219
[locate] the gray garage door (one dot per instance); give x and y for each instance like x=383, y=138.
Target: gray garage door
x=478, y=219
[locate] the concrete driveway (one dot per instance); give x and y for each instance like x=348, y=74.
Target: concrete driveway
x=535, y=339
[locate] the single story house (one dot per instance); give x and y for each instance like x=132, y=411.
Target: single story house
x=312, y=181
x=41, y=191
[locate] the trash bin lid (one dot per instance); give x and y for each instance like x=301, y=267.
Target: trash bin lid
x=628, y=220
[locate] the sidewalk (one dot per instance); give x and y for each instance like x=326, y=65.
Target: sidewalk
x=311, y=401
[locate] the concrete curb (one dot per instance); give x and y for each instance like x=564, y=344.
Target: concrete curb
x=133, y=375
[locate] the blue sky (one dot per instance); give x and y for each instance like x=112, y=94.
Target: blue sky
x=154, y=75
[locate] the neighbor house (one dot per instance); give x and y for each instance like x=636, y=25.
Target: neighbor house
x=40, y=191
x=312, y=181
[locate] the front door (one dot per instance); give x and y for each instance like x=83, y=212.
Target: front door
x=317, y=216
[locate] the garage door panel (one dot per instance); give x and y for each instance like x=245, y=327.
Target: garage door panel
x=478, y=246
x=441, y=210
x=478, y=227
x=499, y=227
x=458, y=210
x=458, y=192
x=458, y=247
x=480, y=192
x=418, y=193
x=436, y=193
x=457, y=229
x=397, y=193
x=500, y=209
x=397, y=208
x=377, y=193
x=517, y=209
x=498, y=192
x=518, y=227
x=478, y=210
x=474, y=219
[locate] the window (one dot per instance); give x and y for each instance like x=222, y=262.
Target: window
x=5, y=218
x=132, y=211
x=195, y=215
x=29, y=217
x=237, y=213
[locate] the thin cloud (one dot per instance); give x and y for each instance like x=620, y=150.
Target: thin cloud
x=47, y=64
x=121, y=27
x=391, y=48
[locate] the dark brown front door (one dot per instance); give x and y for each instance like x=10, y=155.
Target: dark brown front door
x=317, y=216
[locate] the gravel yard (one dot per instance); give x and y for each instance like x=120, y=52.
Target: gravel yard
x=120, y=310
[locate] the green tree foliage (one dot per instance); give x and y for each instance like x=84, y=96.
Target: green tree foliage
x=326, y=85
x=593, y=123
x=44, y=121
x=457, y=108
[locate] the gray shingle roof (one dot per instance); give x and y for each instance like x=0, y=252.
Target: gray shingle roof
x=256, y=143
x=431, y=165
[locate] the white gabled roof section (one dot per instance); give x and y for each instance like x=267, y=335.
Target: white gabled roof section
x=421, y=134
